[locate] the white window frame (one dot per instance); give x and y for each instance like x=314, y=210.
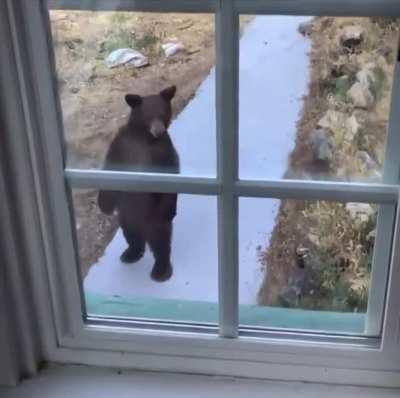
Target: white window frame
x=68, y=337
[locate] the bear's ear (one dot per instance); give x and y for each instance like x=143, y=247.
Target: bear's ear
x=168, y=93
x=133, y=100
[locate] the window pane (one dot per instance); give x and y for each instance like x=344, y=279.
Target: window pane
x=315, y=96
x=306, y=265
x=103, y=56
x=142, y=284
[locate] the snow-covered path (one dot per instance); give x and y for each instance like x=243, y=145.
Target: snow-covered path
x=273, y=78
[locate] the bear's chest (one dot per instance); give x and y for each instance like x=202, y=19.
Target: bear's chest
x=147, y=156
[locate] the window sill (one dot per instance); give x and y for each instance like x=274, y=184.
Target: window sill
x=84, y=382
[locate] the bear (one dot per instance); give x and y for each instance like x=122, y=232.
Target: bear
x=144, y=145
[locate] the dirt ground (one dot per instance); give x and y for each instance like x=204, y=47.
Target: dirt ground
x=92, y=96
x=319, y=257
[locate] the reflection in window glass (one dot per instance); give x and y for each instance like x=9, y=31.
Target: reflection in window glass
x=103, y=56
x=314, y=97
x=306, y=255
x=144, y=262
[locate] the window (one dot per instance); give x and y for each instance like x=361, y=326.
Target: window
x=325, y=301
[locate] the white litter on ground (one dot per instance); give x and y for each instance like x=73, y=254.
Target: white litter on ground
x=126, y=56
x=273, y=79
x=172, y=48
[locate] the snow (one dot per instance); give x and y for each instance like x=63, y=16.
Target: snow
x=273, y=78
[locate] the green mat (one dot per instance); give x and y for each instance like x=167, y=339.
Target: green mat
x=204, y=312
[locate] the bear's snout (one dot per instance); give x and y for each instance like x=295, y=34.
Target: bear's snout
x=157, y=128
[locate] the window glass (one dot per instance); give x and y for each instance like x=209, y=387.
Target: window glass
x=144, y=262
x=315, y=97
x=103, y=56
x=308, y=265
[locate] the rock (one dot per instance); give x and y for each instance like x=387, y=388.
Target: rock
x=371, y=235
x=366, y=159
x=70, y=44
x=334, y=121
x=360, y=211
x=186, y=24
x=302, y=251
x=374, y=175
x=87, y=72
x=300, y=283
x=126, y=56
x=101, y=46
x=301, y=256
x=172, y=47
x=289, y=297
x=385, y=51
x=305, y=28
x=352, y=128
x=360, y=95
x=342, y=85
x=361, y=92
x=322, y=145
x=362, y=116
x=58, y=15
x=74, y=90
x=366, y=75
x=351, y=36
x=314, y=239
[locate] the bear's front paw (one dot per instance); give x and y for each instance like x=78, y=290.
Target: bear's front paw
x=132, y=255
x=161, y=272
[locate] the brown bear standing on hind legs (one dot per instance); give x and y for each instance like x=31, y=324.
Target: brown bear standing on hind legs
x=144, y=145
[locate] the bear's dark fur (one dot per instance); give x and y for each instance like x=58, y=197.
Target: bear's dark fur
x=144, y=145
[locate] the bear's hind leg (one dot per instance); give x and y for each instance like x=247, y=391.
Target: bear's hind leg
x=136, y=242
x=159, y=239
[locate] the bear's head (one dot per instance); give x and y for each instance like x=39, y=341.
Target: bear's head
x=152, y=113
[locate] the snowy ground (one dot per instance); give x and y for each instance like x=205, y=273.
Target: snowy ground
x=273, y=78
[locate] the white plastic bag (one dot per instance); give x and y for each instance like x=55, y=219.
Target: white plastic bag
x=126, y=56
